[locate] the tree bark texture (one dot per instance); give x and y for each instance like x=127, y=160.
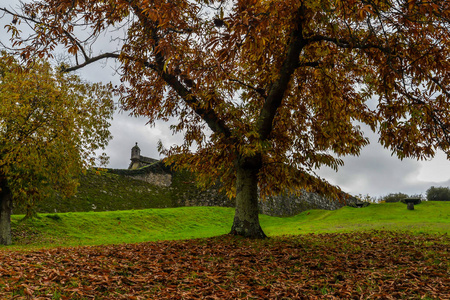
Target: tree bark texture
x=246, y=220
x=5, y=214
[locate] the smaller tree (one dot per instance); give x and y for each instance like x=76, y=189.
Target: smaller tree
x=51, y=125
x=438, y=194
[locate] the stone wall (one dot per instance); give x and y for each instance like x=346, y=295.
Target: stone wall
x=153, y=178
x=290, y=204
x=278, y=206
x=209, y=197
x=186, y=193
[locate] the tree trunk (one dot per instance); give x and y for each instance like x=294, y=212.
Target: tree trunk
x=5, y=214
x=30, y=212
x=246, y=220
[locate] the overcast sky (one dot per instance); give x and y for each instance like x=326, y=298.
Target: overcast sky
x=374, y=172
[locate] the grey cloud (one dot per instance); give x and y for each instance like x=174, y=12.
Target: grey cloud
x=376, y=172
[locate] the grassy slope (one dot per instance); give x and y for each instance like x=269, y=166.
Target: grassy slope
x=96, y=228
x=429, y=217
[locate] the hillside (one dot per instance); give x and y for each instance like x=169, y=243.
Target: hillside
x=107, y=191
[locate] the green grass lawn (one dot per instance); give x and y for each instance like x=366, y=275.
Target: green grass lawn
x=133, y=226
x=427, y=217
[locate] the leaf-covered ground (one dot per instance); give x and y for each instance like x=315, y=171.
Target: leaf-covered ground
x=365, y=265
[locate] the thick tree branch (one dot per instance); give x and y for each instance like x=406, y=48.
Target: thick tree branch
x=276, y=93
x=214, y=122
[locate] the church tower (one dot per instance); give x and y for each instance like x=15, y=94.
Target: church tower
x=139, y=161
x=135, y=157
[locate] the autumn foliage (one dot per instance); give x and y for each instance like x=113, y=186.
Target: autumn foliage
x=266, y=92
x=51, y=125
x=370, y=265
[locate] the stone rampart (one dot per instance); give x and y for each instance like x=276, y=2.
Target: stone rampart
x=284, y=205
x=156, y=179
x=185, y=193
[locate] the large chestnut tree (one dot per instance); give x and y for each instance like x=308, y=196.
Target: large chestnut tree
x=265, y=91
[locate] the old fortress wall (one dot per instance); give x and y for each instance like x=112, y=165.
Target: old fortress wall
x=182, y=183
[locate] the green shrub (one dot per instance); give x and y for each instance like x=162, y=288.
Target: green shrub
x=394, y=197
x=366, y=198
x=438, y=194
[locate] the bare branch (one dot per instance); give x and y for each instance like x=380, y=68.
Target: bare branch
x=90, y=60
x=27, y=19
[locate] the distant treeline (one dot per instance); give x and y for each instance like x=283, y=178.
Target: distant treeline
x=432, y=194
